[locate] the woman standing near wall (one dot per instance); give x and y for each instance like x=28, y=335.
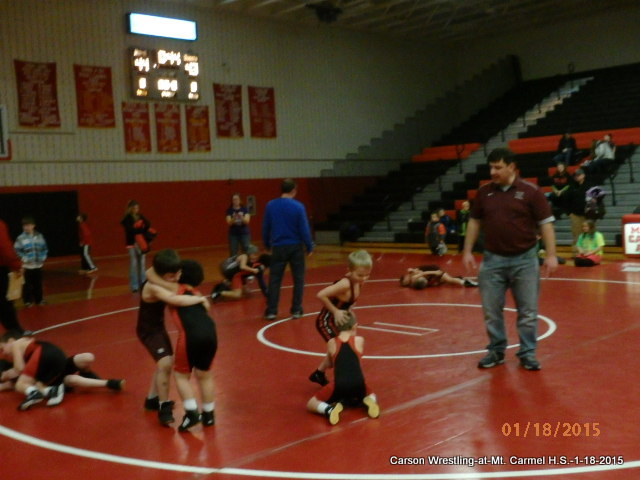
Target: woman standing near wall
x=238, y=220
x=135, y=227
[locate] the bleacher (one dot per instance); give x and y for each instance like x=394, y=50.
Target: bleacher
x=611, y=101
x=581, y=114
x=501, y=113
x=534, y=167
x=386, y=195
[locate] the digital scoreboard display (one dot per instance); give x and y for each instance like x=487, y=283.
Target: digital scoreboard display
x=165, y=74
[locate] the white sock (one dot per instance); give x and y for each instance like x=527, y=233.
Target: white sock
x=322, y=408
x=208, y=407
x=190, y=404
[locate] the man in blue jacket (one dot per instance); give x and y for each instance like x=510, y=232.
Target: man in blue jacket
x=286, y=232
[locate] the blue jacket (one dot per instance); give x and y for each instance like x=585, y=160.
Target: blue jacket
x=285, y=223
x=32, y=249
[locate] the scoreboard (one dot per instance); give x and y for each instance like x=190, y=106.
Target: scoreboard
x=165, y=74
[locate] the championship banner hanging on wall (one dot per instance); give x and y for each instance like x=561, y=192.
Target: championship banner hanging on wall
x=94, y=96
x=228, y=104
x=198, y=134
x=168, y=134
x=262, y=112
x=37, y=94
x=137, y=130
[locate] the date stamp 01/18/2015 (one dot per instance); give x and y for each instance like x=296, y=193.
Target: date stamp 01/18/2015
x=551, y=429
x=548, y=460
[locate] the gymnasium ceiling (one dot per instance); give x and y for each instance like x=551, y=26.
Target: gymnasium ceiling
x=443, y=20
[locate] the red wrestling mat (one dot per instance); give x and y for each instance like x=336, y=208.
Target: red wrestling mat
x=442, y=418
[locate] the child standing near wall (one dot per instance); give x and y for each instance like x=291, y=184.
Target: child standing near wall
x=84, y=234
x=435, y=234
x=32, y=249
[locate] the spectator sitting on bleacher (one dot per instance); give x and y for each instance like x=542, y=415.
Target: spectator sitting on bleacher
x=560, y=183
x=603, y=157
x=567, y=149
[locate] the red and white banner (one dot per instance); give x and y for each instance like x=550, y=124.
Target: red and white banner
x=262, y=112
x=198, y=133
x=137, y=127
x=37, y=94
x=168, y=132
x=94, y=96
x=228, y=103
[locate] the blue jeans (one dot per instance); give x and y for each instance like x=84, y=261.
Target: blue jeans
x=137, y=268
x=521, y=274
x=564, y=157
x=280, y=257
x=237, y=241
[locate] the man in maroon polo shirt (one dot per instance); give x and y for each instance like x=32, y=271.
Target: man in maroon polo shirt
x=510, y=212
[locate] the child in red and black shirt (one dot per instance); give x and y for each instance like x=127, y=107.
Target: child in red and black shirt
x=85, y=241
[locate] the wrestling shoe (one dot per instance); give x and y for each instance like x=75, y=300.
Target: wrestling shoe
x=319, y=377
x=492, y=359
x=373, y=409
x=190, y=419
x=530, y=363
x=470, y=283
x=208, y=419
x=116, y=385
x=333, y=413
x=165, y=413
x=152, y=404
x=55, y=395
x=34, y=397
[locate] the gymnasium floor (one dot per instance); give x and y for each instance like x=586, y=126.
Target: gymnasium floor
x=442, y=418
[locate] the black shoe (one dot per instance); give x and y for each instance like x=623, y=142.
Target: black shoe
x=34, y=397
x=55, y=395
x=333, y=413
x=152, y=404
x=319, y=377
x=165, y=413
x=117, y=385
x=492, y=359
x=530, y=363
x=297, y=314
x=270, y=317
x=469, y=283
x=215, y=296
x=190, y=419
x=208, y=419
